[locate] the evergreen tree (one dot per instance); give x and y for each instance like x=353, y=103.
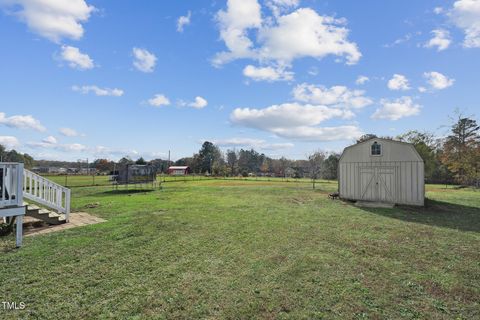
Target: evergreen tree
x=461, y=150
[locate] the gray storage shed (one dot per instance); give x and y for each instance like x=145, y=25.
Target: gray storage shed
x=382, y=170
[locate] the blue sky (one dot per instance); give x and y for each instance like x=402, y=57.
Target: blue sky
x=89, y=79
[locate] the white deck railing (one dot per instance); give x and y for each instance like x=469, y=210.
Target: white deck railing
x=11, y=195
x=11, y=184
x=46, y=192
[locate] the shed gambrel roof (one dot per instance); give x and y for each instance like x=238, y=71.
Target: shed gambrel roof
x=369, y=141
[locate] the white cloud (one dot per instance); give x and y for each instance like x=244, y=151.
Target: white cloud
x=240, y=16
x=98, y=91
x=269, y=74
x=183, y=21
x=398, y=82
x=397, y=109
x=438, y=10
x=296, y=121
x=116, y=153
x=465, y=14
x=313, y=71
x=199, y=103
x=9, y=142
x=441, y=39
x=336, y=96
x=144, y=60
x=21, y=122
x=285, y=3
x=362, y=80
x=53, y=19
x=422, y=89
x=68, y=132
x=238, y=142
x=286, y=115
x=276, y=146
x=72, y=151
x=252, y=143
x=278, y=38
x=406, y=38
x=74, y=147
x=320, y=36
x=320, y=133
x=50, y=140
x=108, y=152
x=437, y=80
x=159, y=100
x=76, y=59
x=280, y=6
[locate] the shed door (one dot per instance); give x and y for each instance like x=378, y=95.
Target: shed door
x=377, y=184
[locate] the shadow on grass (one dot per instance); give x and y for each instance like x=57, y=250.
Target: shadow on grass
x=124, y=191
x=435, y=213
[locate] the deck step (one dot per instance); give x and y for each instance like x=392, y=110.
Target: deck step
x=43, y=214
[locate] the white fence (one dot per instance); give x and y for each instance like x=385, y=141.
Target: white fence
x=46, y=192
x=11, y=184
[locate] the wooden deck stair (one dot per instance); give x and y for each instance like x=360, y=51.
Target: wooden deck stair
x=48, y=216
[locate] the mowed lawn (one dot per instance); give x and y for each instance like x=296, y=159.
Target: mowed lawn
x=221, y=249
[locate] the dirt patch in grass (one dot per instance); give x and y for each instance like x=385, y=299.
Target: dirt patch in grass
x=462, y=294
x=92, y=205
x=278, y=258
x=298, y=201
x=465, y=295
x=243, y=184
x=435, y=289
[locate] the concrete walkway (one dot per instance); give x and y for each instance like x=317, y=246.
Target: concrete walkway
x=77, y=219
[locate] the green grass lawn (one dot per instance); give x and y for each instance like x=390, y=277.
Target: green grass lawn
x=74, y=181
x=221, y=249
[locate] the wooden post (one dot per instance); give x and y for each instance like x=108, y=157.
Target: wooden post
x=20, y=184
x=19, y=231
x=67, y=205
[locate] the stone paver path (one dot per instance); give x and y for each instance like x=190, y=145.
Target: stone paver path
x=77, y=219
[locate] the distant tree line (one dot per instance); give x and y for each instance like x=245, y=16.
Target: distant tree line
x=14, y=156
x=454, y=158
x=249, y=162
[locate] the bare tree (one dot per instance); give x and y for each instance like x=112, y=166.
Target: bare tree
x=232, y=160
x=315, y=163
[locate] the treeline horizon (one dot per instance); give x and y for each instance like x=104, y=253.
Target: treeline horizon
x=451, y=159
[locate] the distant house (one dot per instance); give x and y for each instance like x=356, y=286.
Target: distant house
x=40, y=169
x=178, y=170
x=88, y=171
x=51, y=170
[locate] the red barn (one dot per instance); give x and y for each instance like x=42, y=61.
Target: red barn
x=178, y=170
